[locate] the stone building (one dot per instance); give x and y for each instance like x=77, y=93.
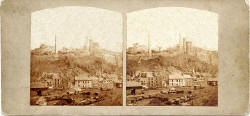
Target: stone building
x=177, y=79
x=83, y=81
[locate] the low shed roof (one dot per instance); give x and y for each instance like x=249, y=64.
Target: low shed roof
x=38, y=85
x=175, y=76
x=133, y=84
x=212, y=79
x=83, y=76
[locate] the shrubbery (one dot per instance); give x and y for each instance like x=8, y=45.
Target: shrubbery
x=185, y=63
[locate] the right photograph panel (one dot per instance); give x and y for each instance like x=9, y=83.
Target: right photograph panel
x=172, y=57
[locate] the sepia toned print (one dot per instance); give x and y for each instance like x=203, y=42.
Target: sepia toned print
x=172, y=57
x=233, y=36
x=76, y=57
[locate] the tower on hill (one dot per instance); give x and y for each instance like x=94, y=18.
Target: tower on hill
x=149, y=45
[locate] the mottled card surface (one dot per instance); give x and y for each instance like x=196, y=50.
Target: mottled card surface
x=183, y=57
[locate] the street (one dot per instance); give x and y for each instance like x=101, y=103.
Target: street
x=207, y=96
x=94, y=97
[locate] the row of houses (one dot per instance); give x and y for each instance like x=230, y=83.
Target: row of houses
x=149, y=80
x=177, y=79
x=183, y=80
x=154, y=80
x=83, y=81
x=48, y=80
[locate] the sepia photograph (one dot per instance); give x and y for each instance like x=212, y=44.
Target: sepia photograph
x=172, y=57
x=124, y=57
x=76, y=57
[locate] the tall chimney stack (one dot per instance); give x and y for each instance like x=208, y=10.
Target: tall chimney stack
x=184, y=45
x=149, y=47
x=55, y=43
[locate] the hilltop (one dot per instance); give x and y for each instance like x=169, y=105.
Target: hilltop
x=183, y=62
x=69, y=66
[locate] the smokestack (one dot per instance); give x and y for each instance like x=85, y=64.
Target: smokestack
x=184, y=45
x=149, y=49
x=55, y=43
x=188, y=47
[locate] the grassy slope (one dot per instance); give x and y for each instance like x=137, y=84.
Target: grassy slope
x=68, y=66
x=185, y=63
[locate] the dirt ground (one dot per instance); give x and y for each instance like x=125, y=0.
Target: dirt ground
x=207, y=96
x=94, y=97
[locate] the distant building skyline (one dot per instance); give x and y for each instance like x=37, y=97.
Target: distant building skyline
x=72, y=25
x=166, y=25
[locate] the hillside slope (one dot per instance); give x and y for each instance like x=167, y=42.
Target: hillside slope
x=184, y=63
x=69, y=66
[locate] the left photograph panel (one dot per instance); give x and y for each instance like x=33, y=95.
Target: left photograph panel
x=76, y=57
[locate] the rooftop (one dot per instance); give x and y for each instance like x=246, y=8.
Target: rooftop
x=187, y=76
x=206, y=74
x=175, y=76
x=179, y=76
x=147, y=74
x=212, y=79
x=83, y=76
x=133, y=84
x=38, y=85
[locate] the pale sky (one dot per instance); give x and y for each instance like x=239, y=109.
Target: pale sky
x=72, y=24
x=165, y=24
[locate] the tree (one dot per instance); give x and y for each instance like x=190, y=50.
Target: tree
x=159, y=48
x=43, y=46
